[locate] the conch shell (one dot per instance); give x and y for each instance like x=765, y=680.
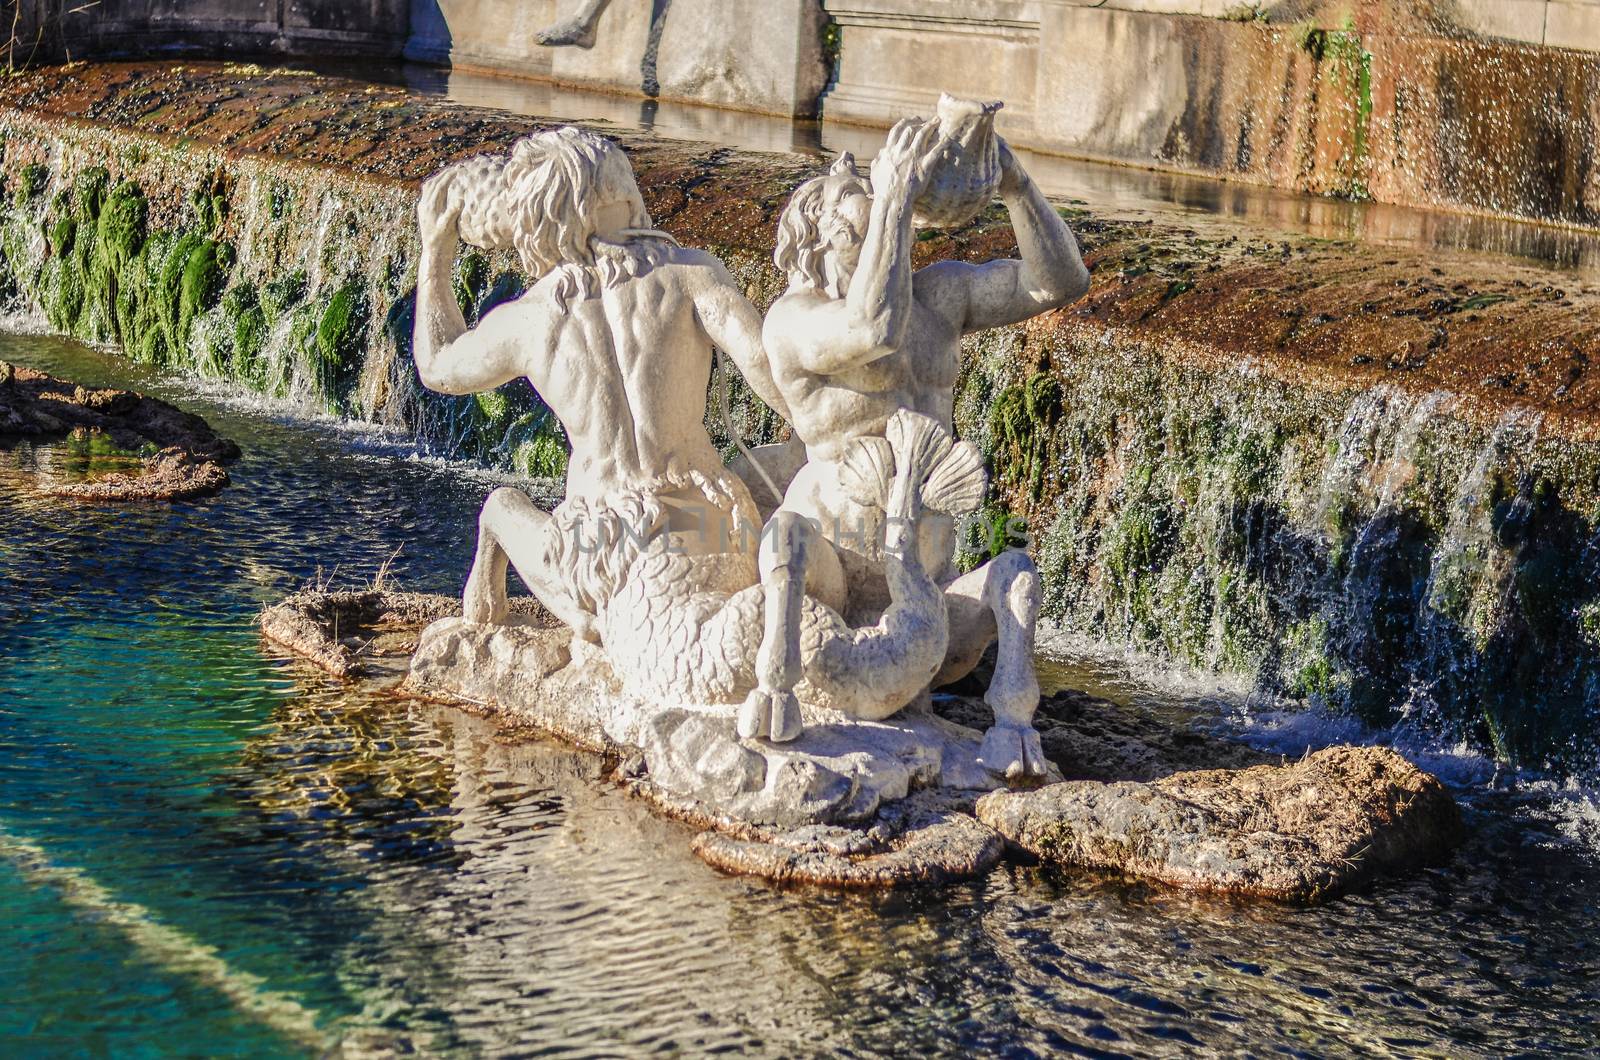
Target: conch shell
x=962, y=181
x=479, y=187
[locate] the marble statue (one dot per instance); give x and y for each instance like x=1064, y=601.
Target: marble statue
x=859, y=336
x=656, y=553
x=840, y=609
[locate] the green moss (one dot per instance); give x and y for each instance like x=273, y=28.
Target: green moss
x=89, y=191
x=119, y=236
x=200, y=285
x=31, y=182
x=1352, y=73
x=493, y=405
x=542, y=456
x=247, y=325
x=281, y=293
x=60, y=233
x=471, y=280
x=340, y=341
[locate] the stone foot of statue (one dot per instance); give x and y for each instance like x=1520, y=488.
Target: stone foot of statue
x=575, y=31
x=771, y=709
x=1011, y=593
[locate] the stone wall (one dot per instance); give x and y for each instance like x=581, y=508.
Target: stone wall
x=70, y=28
x=764, y=57
x=1383, y=105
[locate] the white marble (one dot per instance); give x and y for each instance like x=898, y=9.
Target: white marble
x=843, y=607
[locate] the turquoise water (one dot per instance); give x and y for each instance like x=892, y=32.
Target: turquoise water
x=207, y=850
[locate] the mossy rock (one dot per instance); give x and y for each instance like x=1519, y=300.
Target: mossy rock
x=471, y=280
x=201, y=284
x=247, y=324
x=60, y=234
x=31, y=183
x=119, y=236
x=89, y=191
x=282, y=293
x=542, y=456
x=341, y=338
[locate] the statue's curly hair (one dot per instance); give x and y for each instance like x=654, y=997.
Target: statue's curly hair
x=801, y=249
x=552, y=179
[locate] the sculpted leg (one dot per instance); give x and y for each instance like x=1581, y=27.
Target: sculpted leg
x=576, y=29
x=771, y=709
x=513, y=530
x=1000, y=600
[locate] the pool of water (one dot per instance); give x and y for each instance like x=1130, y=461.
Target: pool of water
x=207, y=849
x=1115, y=191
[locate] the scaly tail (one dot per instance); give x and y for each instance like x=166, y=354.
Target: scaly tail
x=875, y=671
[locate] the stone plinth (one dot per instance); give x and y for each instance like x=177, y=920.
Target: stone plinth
x=764, y=57
x=839, y=772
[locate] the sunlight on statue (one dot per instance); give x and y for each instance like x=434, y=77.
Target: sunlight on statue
x=656, y=552
x=859, y=336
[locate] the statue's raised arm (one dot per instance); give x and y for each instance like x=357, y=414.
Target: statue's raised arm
x=1050, y=273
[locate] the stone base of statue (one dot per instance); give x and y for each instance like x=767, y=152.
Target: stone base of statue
x=688, y=757
x=887, y=804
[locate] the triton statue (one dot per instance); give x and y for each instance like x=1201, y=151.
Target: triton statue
x=841, y=609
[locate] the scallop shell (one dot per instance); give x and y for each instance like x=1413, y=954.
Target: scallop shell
x=964, y=178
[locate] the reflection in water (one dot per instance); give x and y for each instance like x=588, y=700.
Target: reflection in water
x=1112, y=191
x=410, y=880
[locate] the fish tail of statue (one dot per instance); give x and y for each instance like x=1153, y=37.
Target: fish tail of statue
x=872, y=672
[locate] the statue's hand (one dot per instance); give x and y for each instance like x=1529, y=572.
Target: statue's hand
x=439, y=211
x=902, y=167
x=1013, y=178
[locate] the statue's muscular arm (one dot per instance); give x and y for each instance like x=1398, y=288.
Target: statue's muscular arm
x=449, y=357
x=1050, y=273
x=733, y=324
x=827, y=336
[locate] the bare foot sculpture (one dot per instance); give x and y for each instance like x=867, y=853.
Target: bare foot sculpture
x=859, y=335
x=576, y=30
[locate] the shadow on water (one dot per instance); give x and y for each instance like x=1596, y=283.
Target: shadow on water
x=410, y=880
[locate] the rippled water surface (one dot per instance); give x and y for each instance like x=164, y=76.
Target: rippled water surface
x=208, y=850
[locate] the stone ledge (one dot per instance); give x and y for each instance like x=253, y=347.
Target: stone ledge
x=183, y=458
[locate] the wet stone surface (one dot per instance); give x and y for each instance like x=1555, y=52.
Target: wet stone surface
x=182, y=457
x=1302, y=831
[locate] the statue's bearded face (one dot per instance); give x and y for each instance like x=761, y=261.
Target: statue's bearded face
x=842, y=222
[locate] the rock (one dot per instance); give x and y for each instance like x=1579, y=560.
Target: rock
x=530, y=674
x=836, y=772
x=342, y=631
x=171, y=475
x=690, y=756
x=190, y=457
x=1299, y=832
x=927, y=838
